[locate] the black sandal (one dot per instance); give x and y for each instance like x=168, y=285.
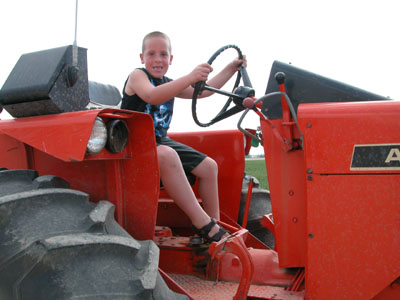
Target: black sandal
x=205, y=230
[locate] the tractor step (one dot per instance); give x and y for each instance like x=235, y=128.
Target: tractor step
x=204, y=289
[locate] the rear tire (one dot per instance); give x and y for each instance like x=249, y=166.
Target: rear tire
x=260, y=205
x=55, y=244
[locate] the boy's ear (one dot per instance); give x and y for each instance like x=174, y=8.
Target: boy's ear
x=170, y=59
x=141, y=58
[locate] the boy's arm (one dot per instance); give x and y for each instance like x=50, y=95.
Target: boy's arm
x=138, y=83
x=218, y=80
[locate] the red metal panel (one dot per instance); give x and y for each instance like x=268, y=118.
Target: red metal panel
x=353, y=235
x=352, y=220
x=62, y=135
x=391, y=292
x=266, y=268
x=130, y=181
x=12, y=153
x=177, y=257
x=87, y=176
x=116, y=187
x=142, y=179
x=332, y=129
x=201, y=289
x=286, y=177
x=227, y=149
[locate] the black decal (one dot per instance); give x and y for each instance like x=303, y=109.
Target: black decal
x=376, y=157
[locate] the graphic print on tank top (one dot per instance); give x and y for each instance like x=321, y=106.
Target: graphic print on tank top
x=161, y=114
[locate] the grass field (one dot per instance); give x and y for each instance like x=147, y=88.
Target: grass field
x=256, y=168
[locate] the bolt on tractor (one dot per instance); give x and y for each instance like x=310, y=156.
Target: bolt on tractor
x=83, y=214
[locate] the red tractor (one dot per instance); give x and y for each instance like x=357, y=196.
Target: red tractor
x=82, y=214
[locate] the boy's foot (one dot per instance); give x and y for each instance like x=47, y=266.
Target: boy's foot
x=212, y=232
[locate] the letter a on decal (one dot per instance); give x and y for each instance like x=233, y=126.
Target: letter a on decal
x=394, y=155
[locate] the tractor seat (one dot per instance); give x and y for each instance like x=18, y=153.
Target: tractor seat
x=104, y=94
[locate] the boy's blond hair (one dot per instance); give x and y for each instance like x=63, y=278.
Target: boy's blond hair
x=156, y=34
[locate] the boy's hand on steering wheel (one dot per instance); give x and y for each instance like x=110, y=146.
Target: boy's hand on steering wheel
x=200, y=73
x=237, y=63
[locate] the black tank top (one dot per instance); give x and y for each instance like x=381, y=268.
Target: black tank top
x=161, y=113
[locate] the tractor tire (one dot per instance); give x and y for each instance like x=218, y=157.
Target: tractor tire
x=55, y=244
x=260, y=205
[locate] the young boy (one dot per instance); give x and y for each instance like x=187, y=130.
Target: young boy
x=149, y=90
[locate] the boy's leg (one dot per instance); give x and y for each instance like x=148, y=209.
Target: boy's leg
x=176, y=184
x=178, y=187
x=207, y=172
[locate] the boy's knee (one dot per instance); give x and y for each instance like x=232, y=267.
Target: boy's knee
x=165, y=152
x=211, y=165
x=166, y=155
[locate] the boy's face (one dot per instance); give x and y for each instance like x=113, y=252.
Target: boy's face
x=156, y=56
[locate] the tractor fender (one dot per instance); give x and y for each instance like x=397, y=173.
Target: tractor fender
x=64, y=136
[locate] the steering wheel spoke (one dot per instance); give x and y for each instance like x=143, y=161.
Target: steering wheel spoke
x=217, y=91
x=227, y=113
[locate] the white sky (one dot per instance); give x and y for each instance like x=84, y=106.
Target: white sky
x=356, y=42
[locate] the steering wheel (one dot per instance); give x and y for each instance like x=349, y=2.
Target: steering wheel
x=238, y=93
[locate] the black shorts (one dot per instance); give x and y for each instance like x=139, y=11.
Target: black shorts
x=189, y=157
